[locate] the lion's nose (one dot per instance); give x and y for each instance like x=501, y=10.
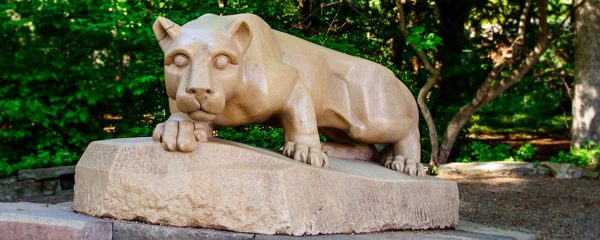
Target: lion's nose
x=200, y=91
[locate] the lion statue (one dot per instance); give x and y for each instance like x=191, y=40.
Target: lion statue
x=234, y=70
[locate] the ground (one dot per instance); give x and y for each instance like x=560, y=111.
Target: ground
x=552, y=208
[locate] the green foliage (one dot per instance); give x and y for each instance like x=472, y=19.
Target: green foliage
x=482, y=152
x=585, y=156
x=472, y=34
x=434, y=170
x=70, y=70
x=423, y=41
x=42, y=158
x=525, y=152
x=254, y=135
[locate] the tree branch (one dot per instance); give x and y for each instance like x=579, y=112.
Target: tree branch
x=507, y=55
x=487, y=92
x=434, y=77
x=540, y=47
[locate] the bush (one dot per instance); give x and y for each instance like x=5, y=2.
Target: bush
x=75, y=72
x=254, y=135
x=525, y=152
x=586, y=156
x=482, y=152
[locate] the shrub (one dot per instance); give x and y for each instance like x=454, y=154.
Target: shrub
x=254, y=135
x=482, y=152
x=586, y=156
x=524, y=153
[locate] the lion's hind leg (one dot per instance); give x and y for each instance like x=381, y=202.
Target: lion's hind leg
x=364, y=152
x=339, y=145
x=404, y=155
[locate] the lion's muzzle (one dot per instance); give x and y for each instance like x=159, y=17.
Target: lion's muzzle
x=196, y=103
x=201, y=116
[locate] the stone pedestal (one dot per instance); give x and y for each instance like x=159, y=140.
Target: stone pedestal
x=231, y=186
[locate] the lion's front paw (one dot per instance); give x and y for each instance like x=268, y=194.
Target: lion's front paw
x=303, y=153
x=179, y=133
x=406, y=165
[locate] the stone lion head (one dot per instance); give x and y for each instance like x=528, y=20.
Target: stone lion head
x=203, y=62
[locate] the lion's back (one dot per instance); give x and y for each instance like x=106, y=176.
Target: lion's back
x=351, y=88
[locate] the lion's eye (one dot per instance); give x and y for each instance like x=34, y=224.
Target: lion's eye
x=181, y=60
x=221, y=61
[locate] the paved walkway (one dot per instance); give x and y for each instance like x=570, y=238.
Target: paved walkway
x=42, y=221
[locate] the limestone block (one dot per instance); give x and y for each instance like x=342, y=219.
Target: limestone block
x=231, y=186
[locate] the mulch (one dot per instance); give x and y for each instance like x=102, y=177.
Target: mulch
x=552, y=208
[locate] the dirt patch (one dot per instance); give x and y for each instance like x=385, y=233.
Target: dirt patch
x=552, y=208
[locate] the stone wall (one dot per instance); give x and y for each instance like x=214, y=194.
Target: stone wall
x=36, y=183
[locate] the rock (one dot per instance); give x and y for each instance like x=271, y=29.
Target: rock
x=49, y=187
x=12, y=191
x=543, y=171
x=563, y=170
x=589, y=174
x=42, y=221
x=45, y=173
x=10, y=179
x=496, y=168
x=231, y=186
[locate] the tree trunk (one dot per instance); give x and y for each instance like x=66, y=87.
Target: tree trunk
x=489, y=90
x=586, y=103
x=434, y=77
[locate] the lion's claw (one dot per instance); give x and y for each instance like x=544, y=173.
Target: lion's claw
x=180, y=133
x=201, y=132
x=303, y=153
x=406, y=165
x=288, y=149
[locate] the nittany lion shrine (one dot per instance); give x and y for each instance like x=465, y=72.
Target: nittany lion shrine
x=234, y=70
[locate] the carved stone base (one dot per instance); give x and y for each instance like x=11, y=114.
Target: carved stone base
x=232, y=186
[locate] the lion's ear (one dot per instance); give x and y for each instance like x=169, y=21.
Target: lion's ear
x=240, y=34
x=164, y=31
